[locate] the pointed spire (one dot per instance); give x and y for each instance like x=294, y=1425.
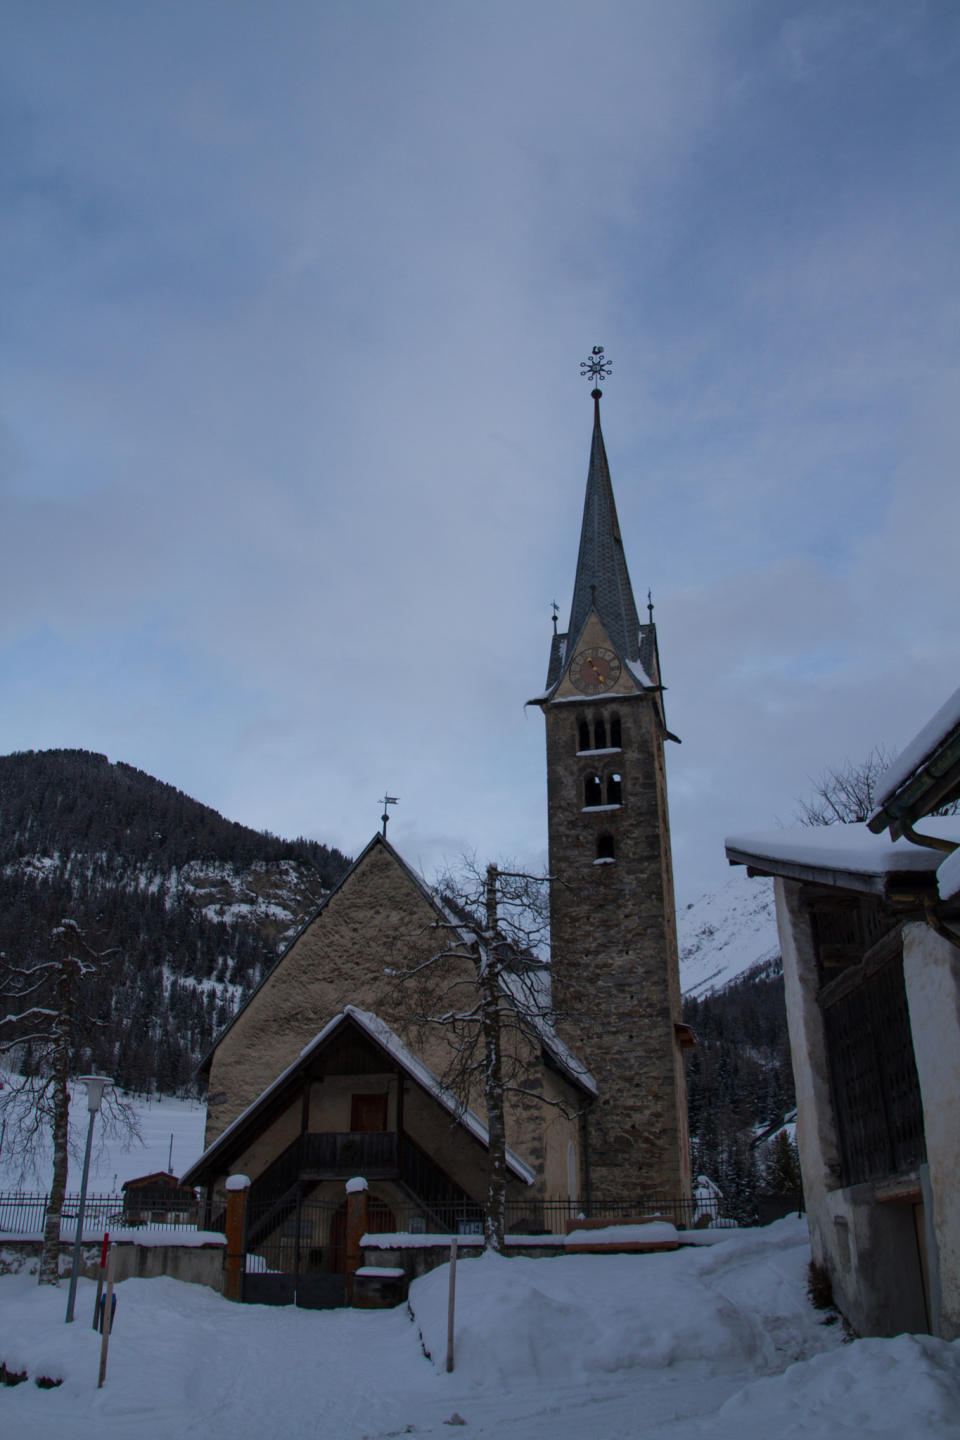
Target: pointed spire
x=602, y=579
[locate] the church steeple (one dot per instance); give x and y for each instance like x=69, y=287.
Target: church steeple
x=602, y=580
x=613, y=950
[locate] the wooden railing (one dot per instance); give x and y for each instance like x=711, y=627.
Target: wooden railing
x=371, y=1153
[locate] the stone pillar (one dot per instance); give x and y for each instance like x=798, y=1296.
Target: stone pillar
x=356, y=1229
x=234, y=1262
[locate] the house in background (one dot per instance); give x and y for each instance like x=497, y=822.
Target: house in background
x=870, y=935
x=158, y=1199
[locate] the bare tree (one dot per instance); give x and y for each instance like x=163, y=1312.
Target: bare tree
x=45, y=998
x=847, y=793
x=486, y=986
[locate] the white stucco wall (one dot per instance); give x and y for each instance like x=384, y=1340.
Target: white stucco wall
x=931, y=972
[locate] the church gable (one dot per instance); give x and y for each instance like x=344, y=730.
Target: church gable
x=380, y=917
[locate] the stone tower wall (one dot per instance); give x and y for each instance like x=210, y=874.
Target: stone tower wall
x=614, y=948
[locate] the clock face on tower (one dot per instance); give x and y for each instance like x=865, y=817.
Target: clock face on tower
x=594, y=670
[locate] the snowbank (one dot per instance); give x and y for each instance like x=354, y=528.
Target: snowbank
x=904, y=1387
x=580, y=1315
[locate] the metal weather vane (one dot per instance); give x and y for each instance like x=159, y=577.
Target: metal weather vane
x=596, y=368
x=387, y=801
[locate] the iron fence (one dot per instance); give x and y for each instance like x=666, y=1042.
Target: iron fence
x=27, y=1215
x=551, y=1217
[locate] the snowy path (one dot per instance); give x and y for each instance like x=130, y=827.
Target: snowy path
x=711, y=1343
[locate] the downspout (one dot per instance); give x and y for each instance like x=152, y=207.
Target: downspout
x=932, y=842
x=936, y=924
x=947, y=847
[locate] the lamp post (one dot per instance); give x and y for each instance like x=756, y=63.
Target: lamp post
x=96, y=1084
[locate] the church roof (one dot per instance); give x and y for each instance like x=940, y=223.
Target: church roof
x=602, y=581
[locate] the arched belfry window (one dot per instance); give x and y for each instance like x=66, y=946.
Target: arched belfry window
x=600, y=735
x=615, y=732
x=592, y=790
x=606, y=849
x=614, y=790
x=583, y=736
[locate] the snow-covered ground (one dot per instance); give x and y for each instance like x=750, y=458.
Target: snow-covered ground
x=714, y=1342
x=726, y=932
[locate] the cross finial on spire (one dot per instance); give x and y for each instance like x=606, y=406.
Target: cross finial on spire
x=556, y=612
x=650, y=605
x=595, y=368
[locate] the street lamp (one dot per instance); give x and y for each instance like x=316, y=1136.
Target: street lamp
x=96, y=1084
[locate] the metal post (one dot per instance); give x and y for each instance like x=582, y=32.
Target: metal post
x=450, y=1301
x=96, y=1084
x=107, y=1317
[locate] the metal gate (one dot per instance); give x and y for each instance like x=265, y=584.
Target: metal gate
x=297, y=1250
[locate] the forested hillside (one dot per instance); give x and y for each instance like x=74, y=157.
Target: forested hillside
x=740, y=1080
x=192, y=907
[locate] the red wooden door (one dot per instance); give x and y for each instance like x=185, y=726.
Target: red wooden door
x=368, y=1112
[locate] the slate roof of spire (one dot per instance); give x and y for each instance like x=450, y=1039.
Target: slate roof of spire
x=602, y=579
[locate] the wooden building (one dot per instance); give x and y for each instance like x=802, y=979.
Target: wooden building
x=870, y=935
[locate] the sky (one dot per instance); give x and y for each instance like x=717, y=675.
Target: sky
x=293, y=437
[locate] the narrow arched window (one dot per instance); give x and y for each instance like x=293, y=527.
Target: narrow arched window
x=583, y=733
x=592, y=790
x=615, y=731
x=600, y=736
x=614, y=790
x=606, y=850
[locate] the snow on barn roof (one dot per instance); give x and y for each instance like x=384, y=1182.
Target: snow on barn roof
x=848, y=854
x=382, y=1035
x=916, y=780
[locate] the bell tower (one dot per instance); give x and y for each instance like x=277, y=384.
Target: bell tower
x=616, y=984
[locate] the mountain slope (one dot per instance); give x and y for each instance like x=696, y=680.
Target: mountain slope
x=725, y=933
x=194, y=906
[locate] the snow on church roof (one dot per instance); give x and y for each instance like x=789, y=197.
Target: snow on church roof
x=382, y=1035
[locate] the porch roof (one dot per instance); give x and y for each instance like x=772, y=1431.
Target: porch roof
x=237, y=1134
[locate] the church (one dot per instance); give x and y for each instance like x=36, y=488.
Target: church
x=332, y=1070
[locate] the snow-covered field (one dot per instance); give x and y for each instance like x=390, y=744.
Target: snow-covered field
x=712, y=1341
x=167, y=1127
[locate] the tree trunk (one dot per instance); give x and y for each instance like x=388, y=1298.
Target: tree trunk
x=50, y=1253
x=493, y=1095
